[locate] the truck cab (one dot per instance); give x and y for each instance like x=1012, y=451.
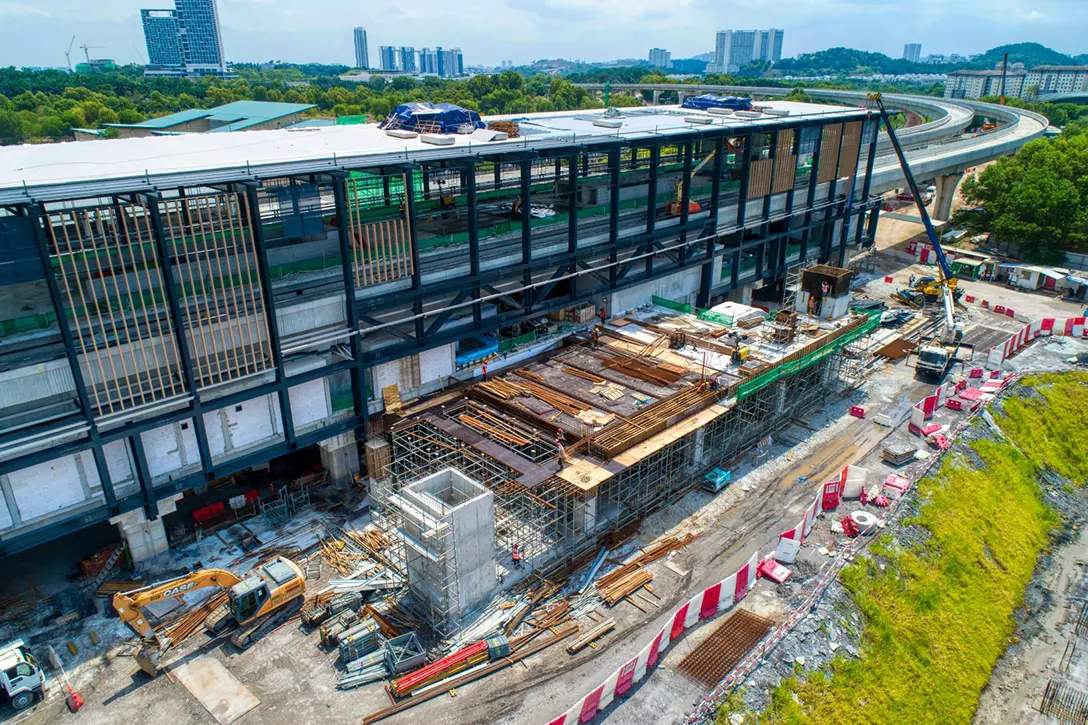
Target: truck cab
x=21, y=679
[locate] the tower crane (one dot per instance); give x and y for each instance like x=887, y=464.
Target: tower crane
x=68, y=53
x=86, y=51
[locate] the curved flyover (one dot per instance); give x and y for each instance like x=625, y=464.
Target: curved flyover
x=948, y=119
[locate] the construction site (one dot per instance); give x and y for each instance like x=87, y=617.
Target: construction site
x=503, y=438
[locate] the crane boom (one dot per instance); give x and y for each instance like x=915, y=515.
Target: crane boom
x=947, y=277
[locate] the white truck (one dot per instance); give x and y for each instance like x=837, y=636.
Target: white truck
x=21, y=678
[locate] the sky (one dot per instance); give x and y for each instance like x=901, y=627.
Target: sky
x=37, y=32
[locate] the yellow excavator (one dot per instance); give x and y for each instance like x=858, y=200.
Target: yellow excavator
x=255, y=603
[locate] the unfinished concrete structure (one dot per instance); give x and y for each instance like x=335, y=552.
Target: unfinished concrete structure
x=446, y=523
x=180, y=308
x=658, y=402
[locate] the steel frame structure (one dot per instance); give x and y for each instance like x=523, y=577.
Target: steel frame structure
x=534, y=286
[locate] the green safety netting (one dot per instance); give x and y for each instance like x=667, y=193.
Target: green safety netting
x=785, y=370
x=510, y=344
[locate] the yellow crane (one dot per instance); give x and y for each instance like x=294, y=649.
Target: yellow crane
x=250, y=600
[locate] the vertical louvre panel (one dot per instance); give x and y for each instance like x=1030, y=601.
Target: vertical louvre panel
x=785, y=164
x=829, y=152
x=851, y=146
x=212, y=241
x=759, y=179
x=112, y=289
x=381, y=250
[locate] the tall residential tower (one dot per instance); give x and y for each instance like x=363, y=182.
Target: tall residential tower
x=735, y=49
x=186, y=41
x=362, y=55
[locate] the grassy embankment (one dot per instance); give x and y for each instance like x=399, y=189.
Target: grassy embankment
x=939, y=614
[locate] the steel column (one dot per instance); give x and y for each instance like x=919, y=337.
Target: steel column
x=270, y=312
x=474, y=238
x=651, y=205
x=359, y=396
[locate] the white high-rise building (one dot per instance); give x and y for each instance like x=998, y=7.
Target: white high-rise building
x=735, y=49
x=362, y=55
x=660, y=58
x=912, y=52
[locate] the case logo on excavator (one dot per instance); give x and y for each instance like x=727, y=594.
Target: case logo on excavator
x=174, y=591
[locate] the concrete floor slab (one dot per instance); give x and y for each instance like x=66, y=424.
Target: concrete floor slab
x=221, y=693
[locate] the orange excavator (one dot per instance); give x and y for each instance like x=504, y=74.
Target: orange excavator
x=674, y=207
x=258, y=602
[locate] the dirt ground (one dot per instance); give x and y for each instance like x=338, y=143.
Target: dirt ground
x=294, y=679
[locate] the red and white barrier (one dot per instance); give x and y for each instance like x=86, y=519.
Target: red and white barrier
x=1071, y=327
x=708, y=603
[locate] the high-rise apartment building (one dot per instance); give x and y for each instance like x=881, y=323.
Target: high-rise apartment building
x=912, y=52
x=769, y=45
x=387, y=58
x=428, y=61
x=735, y=49
x=161, y=34
x=406, y=59
x=660, y=58
x=362, y=54
x=196, y=46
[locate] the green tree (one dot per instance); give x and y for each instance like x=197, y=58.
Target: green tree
x=11, y=127
x=1037, y=198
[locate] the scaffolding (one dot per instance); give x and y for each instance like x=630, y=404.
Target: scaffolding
x=538, y=521
x=552, y=518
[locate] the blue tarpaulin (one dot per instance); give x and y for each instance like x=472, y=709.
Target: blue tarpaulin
x=431, y=118
x=711, y=100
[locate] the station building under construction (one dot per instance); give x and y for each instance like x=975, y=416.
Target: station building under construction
x=177, y=309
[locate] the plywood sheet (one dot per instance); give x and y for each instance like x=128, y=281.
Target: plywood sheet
x=221, y=693
x=674, y=432
x=584, y=474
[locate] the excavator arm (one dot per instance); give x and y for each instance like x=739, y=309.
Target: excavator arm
x=130, y=604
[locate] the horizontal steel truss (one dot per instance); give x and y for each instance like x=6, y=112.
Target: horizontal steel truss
x=699, y=251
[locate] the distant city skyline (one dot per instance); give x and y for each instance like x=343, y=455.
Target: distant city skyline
x=37, y=34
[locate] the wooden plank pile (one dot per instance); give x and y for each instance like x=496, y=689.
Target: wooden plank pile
x=652, y=419
x=591, y=636
x=619, y=589
x=663, y=374
x=619, y=583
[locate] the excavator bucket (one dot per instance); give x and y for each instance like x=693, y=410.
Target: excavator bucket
x=148, y=659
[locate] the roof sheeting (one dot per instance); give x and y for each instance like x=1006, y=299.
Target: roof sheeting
x=234, y=116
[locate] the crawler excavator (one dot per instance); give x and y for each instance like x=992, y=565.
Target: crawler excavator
x=260, y=601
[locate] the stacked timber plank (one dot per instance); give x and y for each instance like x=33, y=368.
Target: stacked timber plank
x=652, y=419
x=632, y=576
x=619, y=589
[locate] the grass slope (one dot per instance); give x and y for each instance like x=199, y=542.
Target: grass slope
x=939, y=614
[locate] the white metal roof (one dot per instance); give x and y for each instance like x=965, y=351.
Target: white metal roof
x=164, y=158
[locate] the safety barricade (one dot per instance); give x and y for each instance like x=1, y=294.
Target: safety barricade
x=1070, y=327
x=708, y=603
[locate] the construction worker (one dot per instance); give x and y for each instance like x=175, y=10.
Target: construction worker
x=596, y=337
x=515, y=208
x=485, y=370
x=516, y=554
x=604, y=315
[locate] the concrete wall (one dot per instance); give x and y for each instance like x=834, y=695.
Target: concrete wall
x=679, y=287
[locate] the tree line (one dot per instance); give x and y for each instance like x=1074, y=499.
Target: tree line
x=1037, y=198
x=39, y=106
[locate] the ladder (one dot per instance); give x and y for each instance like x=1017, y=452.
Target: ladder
x=110, y=563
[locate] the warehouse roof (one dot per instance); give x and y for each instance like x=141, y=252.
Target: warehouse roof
x=234, y=116
x=48, y=171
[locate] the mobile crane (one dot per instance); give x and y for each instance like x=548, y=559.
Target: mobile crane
x=255, y=603
x=935, y=354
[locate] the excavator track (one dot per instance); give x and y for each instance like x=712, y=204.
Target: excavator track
x=253, y=631
x=219, y=619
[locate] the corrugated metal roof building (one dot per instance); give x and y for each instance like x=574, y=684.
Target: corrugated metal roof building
x=237, y=116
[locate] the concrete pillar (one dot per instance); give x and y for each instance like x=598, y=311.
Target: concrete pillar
x=946, y=190
x=698, y=452
x=340, y=457
x=146, y=540
x=657, y=98
x=681, y=95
